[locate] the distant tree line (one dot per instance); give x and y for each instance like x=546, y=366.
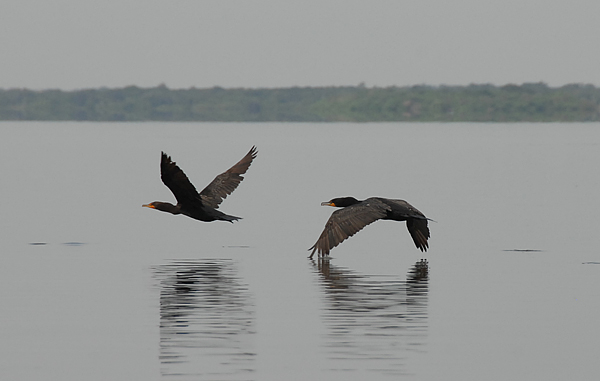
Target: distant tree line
x=529, y=102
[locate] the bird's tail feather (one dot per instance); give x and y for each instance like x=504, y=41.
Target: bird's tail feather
x=228, y=218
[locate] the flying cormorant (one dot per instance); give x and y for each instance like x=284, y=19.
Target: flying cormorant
x=200, y=206
x=356, y=214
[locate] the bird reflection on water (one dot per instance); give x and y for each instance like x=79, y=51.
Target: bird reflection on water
x=374, y=323
x=206, y=320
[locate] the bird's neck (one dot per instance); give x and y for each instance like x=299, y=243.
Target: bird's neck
x=167, y=207
x=346, y=201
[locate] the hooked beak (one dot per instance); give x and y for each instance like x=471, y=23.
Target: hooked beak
x=148, y=206
x=327, y=203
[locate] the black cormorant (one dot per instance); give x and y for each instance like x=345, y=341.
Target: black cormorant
x=356, y=214
x=200, y=206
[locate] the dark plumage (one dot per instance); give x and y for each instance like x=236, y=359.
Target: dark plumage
x=200, y=206
x=355, y=215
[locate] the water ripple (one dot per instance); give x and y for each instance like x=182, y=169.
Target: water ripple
x=374, y=322
x=207, y=321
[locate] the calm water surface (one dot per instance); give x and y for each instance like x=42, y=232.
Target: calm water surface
x=95, y=287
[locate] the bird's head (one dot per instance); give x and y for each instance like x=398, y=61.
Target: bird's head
x=340, y=202
x=162, y=206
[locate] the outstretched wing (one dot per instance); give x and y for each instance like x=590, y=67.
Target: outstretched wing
x=419, y=232
x=226, y=182
x=346, y=222
x=416, y=222
x=174, y=178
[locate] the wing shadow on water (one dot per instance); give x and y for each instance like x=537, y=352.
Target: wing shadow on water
x=207, y=321
x=375, y=323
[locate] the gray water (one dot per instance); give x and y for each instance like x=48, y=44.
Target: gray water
x=95, y=287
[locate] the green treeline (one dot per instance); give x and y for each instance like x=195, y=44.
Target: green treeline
x=531, y=102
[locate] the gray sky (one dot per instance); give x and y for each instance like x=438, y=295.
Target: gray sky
x=74, y=44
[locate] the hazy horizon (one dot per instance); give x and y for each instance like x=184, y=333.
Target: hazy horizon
x=70, y=45
x=287, y=87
